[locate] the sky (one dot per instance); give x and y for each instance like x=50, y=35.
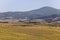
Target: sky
x=27, y=5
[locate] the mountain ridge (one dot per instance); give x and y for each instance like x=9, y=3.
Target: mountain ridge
x=46, y=13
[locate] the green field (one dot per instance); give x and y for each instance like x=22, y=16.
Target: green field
x=29, y=33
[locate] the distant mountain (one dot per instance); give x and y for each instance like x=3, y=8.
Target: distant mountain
x=46, y=13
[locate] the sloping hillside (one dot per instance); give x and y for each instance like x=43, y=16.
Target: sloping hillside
x=46, y=13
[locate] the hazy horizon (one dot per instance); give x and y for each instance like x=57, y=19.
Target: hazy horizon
x=26, y=5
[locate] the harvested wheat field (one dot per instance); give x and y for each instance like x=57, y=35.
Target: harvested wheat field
x=8, y=32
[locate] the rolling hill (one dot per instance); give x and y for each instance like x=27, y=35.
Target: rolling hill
x=46, y=13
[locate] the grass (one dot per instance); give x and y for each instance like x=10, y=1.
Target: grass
x=8, y=32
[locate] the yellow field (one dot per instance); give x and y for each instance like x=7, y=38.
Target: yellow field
x=8, y=32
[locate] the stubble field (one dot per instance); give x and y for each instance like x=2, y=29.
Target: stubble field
x=37, y=32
